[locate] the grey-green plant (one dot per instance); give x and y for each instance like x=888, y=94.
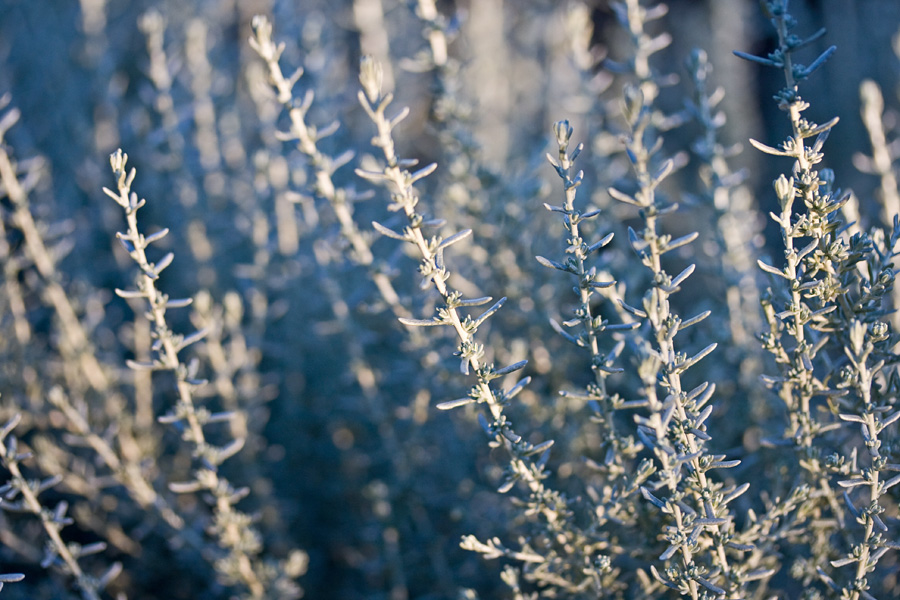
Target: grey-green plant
x=22, y=495
x=344, y=297
x=736, y=226
x=704, y=553
x=90, y=375
x=826, y=313
x=710, y=551
x=240, y=564
x=555, y=537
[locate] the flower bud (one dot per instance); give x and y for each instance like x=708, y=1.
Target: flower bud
x=371, y=76
x=784, y=189
x=563, y=134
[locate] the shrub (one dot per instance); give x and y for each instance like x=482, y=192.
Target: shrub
x=340, y=372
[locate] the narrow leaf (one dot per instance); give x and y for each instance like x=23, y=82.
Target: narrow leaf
x=455, y=238
x=700, y=355
x=423, y=172
x=669, y=552
x=602, y=284
x=891, y=482
x=186, y=487
x=606, y=239
x=421, y=322
x=771, y=269
x=514, y=390
x=193, y=338
x=387, y=232
x=851, y=418
x=490, y=311
x=454, y=403
x=142, y=366
x=696, y=319
x=711, y=587
x=843, y=562
x=511, y=368
x=130, y=294
x=819, y=61
x=682, y=276
x=635, y=311
x=664, y=171
x=889, y=421
x=558, y=329
x=768, y=149
x=551, y=264
x=164, y=262
x=685, y=239
x=370, y=175
x=179, y=303
x=738, y=491
x=757, y=59
x=10, y=425
x=822, y=128
x=808, y=248
x=653, y=499
x=153, y=237
x=848, y=483
x=661, y=579
x=541, y=447
x=622, y=197
x=475, y=301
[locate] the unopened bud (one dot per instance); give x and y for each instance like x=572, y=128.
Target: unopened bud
x=371, y=76
x=784, y=189
x=563, y=134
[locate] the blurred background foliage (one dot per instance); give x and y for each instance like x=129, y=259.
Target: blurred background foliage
x=347, y=458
